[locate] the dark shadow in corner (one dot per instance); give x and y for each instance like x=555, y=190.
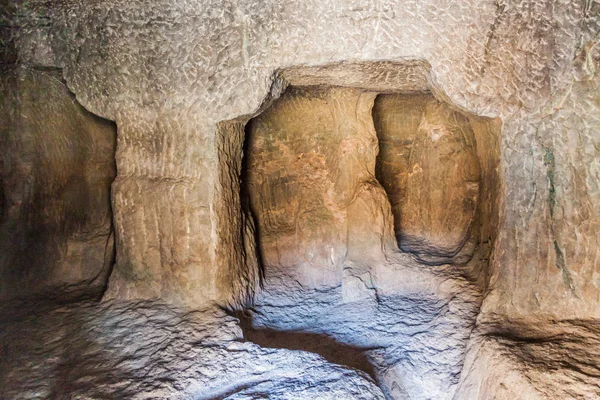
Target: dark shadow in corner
x=62, y=196
x=245, y=202
x=321, y=344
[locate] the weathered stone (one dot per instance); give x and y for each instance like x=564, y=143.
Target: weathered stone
x=512, y=60
x=141, y=350
x=56, y=233
x=429, y=167
x=170, y=72
x=533, y=359
x=313, y=152
x=307, y=156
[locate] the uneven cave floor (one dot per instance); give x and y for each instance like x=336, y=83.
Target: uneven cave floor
x=150, y=350
x=295, y=343
x=412, y=342
x=429, y=347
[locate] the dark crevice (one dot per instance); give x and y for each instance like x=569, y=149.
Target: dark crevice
x=319, y=343
x=246, y=204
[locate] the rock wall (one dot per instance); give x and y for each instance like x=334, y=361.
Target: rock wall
x=308, y=155
x=529, y=62
x=56, y=171
x=430, y=169
x=169, y=72
x=335, y=280
x=526, y=62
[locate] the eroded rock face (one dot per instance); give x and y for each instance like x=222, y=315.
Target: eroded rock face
x=412, y=343
x=310, y=179
x=203, y=65
x=533, y=360
x=56, y=232
x=169, y=72
x=429, y=167
x=308, y=156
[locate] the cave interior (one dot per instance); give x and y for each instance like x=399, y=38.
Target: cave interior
x=178, y=222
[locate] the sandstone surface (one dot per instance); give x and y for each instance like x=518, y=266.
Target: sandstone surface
x=429, y=166
x=58, y=163
x=262, y=166
x=150, y=350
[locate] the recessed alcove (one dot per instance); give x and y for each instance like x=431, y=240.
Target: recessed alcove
x=310, y=154
x=56, y=221
x=438, y=167
x=357, y=176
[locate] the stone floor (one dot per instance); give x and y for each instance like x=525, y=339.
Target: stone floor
x=298, y=343
x=148, y=350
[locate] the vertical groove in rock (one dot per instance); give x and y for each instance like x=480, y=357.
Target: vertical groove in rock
x=237, y=262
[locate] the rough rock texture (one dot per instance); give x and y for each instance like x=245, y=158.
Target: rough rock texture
x=539, y=360
x=332, y=267
x=307, y=156
x=56, y=232
x=429, y=167
x=149, y=350
x=411, y=342
x=169, y=72
x=529, y=63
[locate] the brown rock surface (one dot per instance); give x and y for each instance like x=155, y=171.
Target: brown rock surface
x=170, y=72
x=308, y=155
x=56, y=232
x=429, y=167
